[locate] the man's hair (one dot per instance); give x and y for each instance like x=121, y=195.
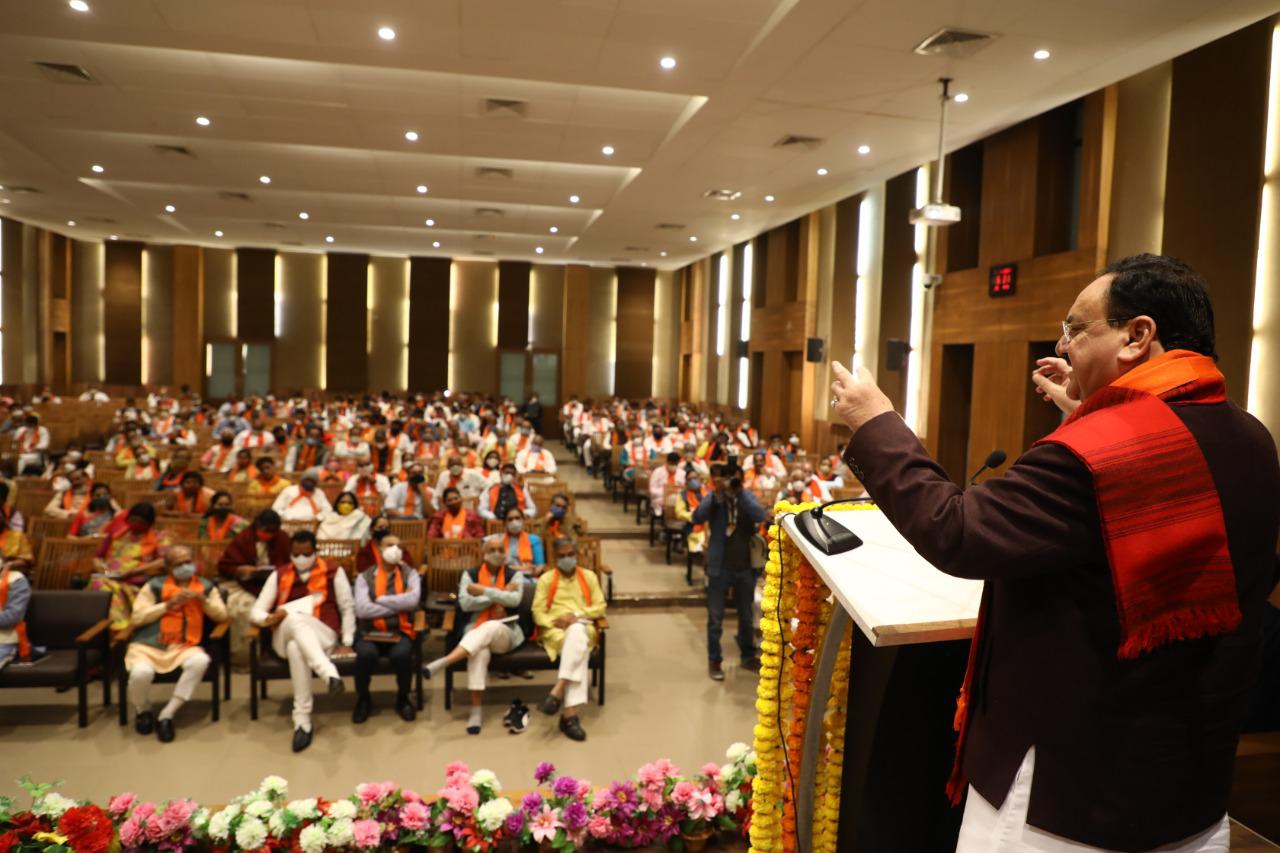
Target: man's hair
x=452, y=489
x=673, y=458
x=193, y=475
x=1169, y=292
x=143, y=510
x=267, y=518
x=264, y=460
x=302, y=537
x=564, y=542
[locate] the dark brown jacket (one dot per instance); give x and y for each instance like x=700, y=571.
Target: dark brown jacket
x=242, y=550
x=1130, y=755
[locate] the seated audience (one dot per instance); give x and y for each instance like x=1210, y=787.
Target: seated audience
x=309, y=608
x=307, y=453
x=523, y=549
x=455, y=521
x=470, y=482
x=535, y=458
x=168, y=622
x=131, y=553
x=72, y=500
x=268, y=481
x=510, y=492
x=144, y=467
x=386, y=596
x=345, y=521
x=15, y=596
x=13, y=518
x=412, y=498
x=667, y=479
x=369, y=487
x=560, y=519
x=687, y=502
x=179, y=466
x=220, y=522
x=243, y=471
x=251, y=556
x=192, y=497
x=220, y=456
x=302, y=502
x=94, y=518
x=32, y=445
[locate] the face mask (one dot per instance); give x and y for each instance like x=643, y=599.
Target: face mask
x=184, y=572
x=495, y=558
x=144, y=459
x=391, y=554
x=226, y=440
x=417, y=479
x=74, y=455
x=491, y=463
x=508, y=479
x=567, y=564
x=695, y=483
x=303, y=563
x=221, y=511
x=557, y=512
x=366, y=470
x=307, y=486
x=99, y=504
x=515, y=525
x=345, y=509
x=525, y=431
x=380, y=533
x=313, y=441
x=265, y=535
x=455, y=470
x=137, y=525
x=797, y=485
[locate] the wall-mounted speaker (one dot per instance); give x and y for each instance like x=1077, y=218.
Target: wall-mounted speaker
x=813, y=350
x=896, y=354
x=741, y=349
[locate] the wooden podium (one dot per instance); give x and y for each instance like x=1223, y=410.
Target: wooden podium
x=908, y=655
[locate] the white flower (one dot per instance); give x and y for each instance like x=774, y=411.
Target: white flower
x=491, y=815
x=341, y=833
x=53, y=805
x=220, y=824
x=200, y=820
x=259, y=808
x=304, y=808
x=736, y=751
x=484, y=779
x=342, y=810
x=251, y=834
x=274, y=785
x=276, y=823
x=312, y=839
x=733, y=801
x=727, y=770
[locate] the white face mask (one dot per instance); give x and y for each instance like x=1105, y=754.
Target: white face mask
x=508, y=479
x=61, y=484
x=391, y=554
x=303, y=563
x=184, y=572
x=455, y=470
x=515, y=525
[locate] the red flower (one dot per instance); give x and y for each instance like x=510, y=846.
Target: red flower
x=87, y=828
x=8, y=841
x=25, y=823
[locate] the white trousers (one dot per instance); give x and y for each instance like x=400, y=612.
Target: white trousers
x=483, y=642
x=305, y=642
x=988, y=830
x=142, y=675
x=574, y=655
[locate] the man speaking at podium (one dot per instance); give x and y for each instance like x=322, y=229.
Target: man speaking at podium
x=1127, y=557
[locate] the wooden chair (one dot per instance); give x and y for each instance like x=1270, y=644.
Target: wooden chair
x=32, y=497
x=340, y=552
x=446, y=559
x=589, y=556
x=409, y=529
x=292, y=526
x=250, y=505
x=62, y=559
x=44, y=526
x=179, y=526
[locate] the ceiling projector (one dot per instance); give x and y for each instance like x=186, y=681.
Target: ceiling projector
x=936, y=214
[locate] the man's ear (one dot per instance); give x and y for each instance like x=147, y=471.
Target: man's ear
x=1141, y=335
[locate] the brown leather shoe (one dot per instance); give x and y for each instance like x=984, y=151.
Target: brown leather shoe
x=715, y=670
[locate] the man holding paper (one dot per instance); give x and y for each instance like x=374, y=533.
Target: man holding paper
x=1127, y=557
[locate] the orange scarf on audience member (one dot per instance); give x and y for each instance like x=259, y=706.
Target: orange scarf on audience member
x=524, y=546
x=380, y=589
x=317, y=584
x=555, y=585
x=487, y=578
x=24, y=644
x=182, y=626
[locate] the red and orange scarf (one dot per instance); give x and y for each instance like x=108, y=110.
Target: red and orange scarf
x=380, y=579
x=489, y=579
x=317, y=584
x=555, y=585
x=1161, y=517
x=24, y=644
x=182, y=626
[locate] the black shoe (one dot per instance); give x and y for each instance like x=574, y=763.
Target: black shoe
x=336, y=687
x=715, y=670
x=502, y=675
x=144, y=723
x=164, y=730
x=426, y=672
x=517, y=717
x=572, y=728
x=406, y=709
x=751, y=664
x=301, y=739
x=550, y=704
x=360, y=713
x=524, y=673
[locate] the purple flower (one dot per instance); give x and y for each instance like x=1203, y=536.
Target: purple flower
x=532, y=802
x=544, y=771
x=575, y=816
x=565, y=786
x=515, y=823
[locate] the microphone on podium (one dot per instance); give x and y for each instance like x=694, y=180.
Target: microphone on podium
x=828, y=535
x=994, y=460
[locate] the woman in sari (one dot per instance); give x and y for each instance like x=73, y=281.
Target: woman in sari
x=220, y=523
x=93, y=519
x=346, y=521
x=132, y=552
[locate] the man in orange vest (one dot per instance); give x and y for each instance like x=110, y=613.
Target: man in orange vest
x=15, y=595
x=507, y=493
x=387, y=594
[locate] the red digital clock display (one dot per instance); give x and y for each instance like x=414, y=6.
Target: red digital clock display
x=1003, y=280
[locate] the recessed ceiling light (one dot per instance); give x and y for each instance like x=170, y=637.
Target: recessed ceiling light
x=692, y=239
x=422, y=188
x=822, y=173
x=217, y=233
x=168, y=208
x=304, y=215
x=79, y=5
x=4, y=201
x=411, y=135
x=961, y=97
x=554, y=230
x=573, y=199
x=607, y=151
x=430, y=223
x=1041, y=54
x=386, y=34
x=203, y=121
x=864, y=149
x=264, y=179
x=663, y=254
x=436, y=244
x=97, y=169
x=328, y=238
x=667, y=62
x=538, y=250
x=735, y=216
x=113, y=237
x=769, y=199
x=71, y=222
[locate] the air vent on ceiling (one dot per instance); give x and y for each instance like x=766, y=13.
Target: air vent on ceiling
x=100, y=220
x=488, y=212
x=505, y=107
x=230, y=195
x=494, y=173
x=277, y=226
x=669, y=226
x=291, y=243
x=620, y=260
x=19, y=189
x=723, y=195
x=483, y=253
x=637, y=250
x=957, y=44
x=61, y=72
x=173, y=151
x=793, y=139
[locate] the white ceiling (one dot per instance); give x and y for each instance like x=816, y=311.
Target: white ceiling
x=304, y=91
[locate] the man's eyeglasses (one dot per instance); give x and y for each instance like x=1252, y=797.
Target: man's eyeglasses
x=1070, y=330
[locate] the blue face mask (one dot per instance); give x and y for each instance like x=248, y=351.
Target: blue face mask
x=557, y=512
x=567, y=564
x=184, y=572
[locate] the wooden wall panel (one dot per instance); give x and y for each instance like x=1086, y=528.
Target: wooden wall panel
x=1009, y=168
x=346, y=329
x=256, y=295
x=157, y=315
x=297, y=361
x=428, y=323
x=844, y=281
x=86, y=312
x=122, y=312
x=895, y=286
x=573, y=367
x=11, y=264
x=1217, y=134
x=633, y=368
x=513, y=304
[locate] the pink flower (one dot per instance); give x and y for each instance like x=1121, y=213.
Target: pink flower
x=545, y=824
x=367, y=833
x=460, y=797
x=652, y=798
x=584, y=787
x=415, y=816
x=121, y=803
x=649, y=774
x=704, y=804
x=411, y=796
x=369, y=793
x=144, y=811
x=456, y=768
x=131, y=834
x=711, y=770
x=602, y=800
x=176, y=817
x=666, y=768
x=599, y=826
x=683, y=792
